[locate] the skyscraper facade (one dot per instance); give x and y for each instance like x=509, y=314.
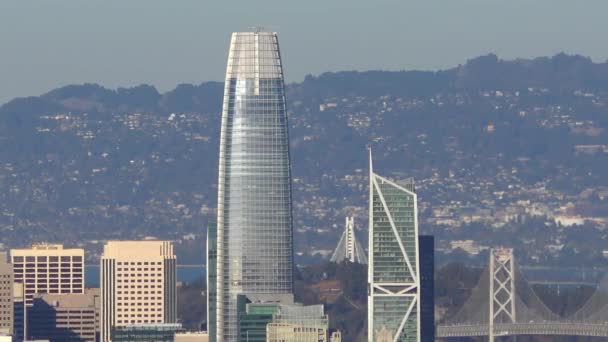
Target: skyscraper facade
x=393, y=277
x=211, y=279
x=254, y=219
x=138, y=284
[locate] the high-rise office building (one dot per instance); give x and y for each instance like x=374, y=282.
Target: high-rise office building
x=254, y=218
x=426, y=246
x=6, y=296
x=211, y=279
x=65, y=317
x=349, y=247
x=48, y=268
x=393, y=277
x=138, y=284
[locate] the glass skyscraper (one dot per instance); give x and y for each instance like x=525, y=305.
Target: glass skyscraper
x=211, y=280
x=393, y=273
x=254, y=219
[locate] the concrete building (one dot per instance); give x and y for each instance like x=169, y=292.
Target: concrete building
x=49, y=268
x=138, y=284
x=254, y=215
x=6, y=296
x=298, y=323
x=192, y=337
x=65, y=317
x=393, y=272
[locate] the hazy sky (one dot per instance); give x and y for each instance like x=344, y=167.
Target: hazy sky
x=49, y=43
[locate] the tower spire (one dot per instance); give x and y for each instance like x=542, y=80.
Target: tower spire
x=371, y=169
x=349, y=247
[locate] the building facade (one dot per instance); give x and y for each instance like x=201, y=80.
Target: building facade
x=65, y=317
x=199, y=336
x=426, y=245
x=298, y=323
x=253, y=319
x=6, y=296
x=393, y=277
x=48, y=268
x=138, y=284
x=158, y=332
x=211, y=279
x=254, y=218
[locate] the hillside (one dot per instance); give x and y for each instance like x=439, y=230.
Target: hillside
x=500, y=150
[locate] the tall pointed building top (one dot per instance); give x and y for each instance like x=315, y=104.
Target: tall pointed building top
x=371, y=168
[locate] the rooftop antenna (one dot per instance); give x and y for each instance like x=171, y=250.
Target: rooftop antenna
x=262, y=28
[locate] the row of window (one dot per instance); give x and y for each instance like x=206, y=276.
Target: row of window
x=140, y=275
x=121, y=304
x=139, y=292
x=76, y=277
x=140, y=298
x=17, y=259
x=139, y=321
x=140, y=269
x=138, y=309
x=49, y=264
x=138, y=286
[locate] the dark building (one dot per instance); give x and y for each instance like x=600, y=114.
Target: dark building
x=211, y=279
x=426, y=246
x=19, y=312
x=157, y=332
x=64, y=317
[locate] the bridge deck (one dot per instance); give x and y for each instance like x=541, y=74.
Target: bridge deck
x=548, y=328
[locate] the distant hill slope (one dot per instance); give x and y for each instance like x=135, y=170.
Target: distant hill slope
x=84, y=163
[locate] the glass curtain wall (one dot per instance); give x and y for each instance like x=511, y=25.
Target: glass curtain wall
x=254, y=224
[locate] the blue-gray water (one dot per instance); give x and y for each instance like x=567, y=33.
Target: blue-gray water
x=537, y=275
x=185, y=273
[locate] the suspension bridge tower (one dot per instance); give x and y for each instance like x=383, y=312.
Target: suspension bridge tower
x=502, y=288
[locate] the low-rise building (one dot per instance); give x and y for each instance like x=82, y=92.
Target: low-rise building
x=63, y=317
x=199, y=336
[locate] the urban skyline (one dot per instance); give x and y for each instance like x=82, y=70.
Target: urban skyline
x=254, y=289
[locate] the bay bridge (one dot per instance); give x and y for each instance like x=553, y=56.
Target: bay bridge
x=504, y=304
